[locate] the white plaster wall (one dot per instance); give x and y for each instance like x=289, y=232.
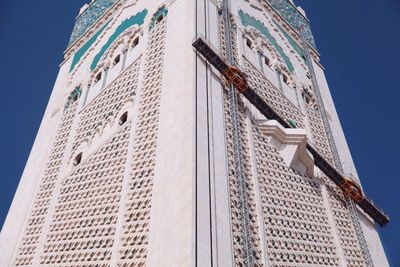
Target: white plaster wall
x=290, y=93
x=114, y=71
x=171, y=226
x=222, y=225
x=220, y=204
x=373, y=241
x=251, y=55
x=214, y=229
x=202, y=202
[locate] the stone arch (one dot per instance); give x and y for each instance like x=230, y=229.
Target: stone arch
x=119, y=33
x=137, y=33
x=73, y=96
x=160, y=14
x=127, y=107
x=308, y=96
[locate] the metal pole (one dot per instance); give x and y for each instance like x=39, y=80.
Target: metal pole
x=349, y=202
x=237, y=144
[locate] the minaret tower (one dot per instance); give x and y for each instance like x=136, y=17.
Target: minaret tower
x=191, y=133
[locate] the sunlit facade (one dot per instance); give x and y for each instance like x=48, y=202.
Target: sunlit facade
x=134, y=162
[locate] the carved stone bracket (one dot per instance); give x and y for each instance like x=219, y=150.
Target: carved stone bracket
x=291, y=144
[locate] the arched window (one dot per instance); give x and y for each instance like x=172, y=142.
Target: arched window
x=160, y=18
x=78, y=159
x=116, y=60
x=135, y=42
x=75, y=97
x=307, y=97
x=97, y=78
x=123, y=118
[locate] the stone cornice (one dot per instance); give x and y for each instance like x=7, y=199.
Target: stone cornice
x=291, y=144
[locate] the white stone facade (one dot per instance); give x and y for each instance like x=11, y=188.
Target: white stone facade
x=133, y=163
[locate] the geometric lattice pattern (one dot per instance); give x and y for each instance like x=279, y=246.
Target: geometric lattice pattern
x=83, y=225
x=345, y=229
x=273, y=96
x=50, y=178
x=137, y=216
x=344, y=225
x=237, y=227
x=298, y=230
x=105, y=108
x=83, y=204
x=317, y=129
x=296, y=224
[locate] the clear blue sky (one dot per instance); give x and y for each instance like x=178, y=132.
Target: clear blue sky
x=359, y=42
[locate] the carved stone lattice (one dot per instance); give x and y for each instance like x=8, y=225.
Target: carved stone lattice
x=273, y=96
x=104, y=109
x=298, y=231
x=28, y=246
x=137, y=217
x=83, y=223
x=296, y=224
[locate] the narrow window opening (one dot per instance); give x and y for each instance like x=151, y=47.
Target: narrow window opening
x=123, y=118
x=306, y=98
x=285, y=79
x=160, y=18
x=75, y=98
x=135, y=42
x=117, y=59
x=78, y=159
x=249, y=43
x=267, y=61
x=97, y=78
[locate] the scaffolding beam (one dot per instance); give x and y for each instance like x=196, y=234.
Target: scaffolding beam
x=331, y=172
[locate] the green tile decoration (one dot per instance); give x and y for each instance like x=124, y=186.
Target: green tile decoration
x=85, y=20
x=79, y=54
x=248, y=20
x=137, y=19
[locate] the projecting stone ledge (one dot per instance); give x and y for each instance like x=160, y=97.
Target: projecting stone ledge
x=291, y=144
